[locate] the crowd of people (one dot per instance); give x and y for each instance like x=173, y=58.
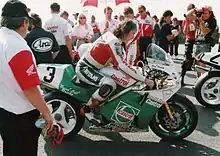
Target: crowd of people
x=120, y=42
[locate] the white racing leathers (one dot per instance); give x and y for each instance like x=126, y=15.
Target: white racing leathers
x=104, y=66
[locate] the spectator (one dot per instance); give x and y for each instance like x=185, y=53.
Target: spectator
x=146, y=26
x=156, y=30
x=108, y=24
x=206, y=27
x=60, y=28
x=65, y=15
x=174, y=43
x=132, y=50
x=42, y=43
x=95, y=26
x=121, y=18
x=21, y=101
x=189, y=30
x=82, y=32
x=166, y=34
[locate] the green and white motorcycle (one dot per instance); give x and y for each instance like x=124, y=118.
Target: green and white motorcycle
x=169, y=115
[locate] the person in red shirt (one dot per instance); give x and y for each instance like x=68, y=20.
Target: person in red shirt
x=146, y=29
x=189, y=30
x=107, y=55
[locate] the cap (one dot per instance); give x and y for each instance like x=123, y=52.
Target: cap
x=15, y=8
x=208, y=8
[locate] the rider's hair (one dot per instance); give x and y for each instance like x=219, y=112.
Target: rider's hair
x=124, y=28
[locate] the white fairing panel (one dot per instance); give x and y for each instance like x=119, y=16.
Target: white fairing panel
x=213, y=58
x=51, y=74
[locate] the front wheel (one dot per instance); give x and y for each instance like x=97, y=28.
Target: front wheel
x=207, y=89
x=65, y=112
x=184, y=122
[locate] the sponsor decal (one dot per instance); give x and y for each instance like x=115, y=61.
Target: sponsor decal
x=118, y=48
x=124, y=113
x=31, y=70
x=121, y=81
x=69, y=91
x=90, y=75
x=167, y=93
x=43, y=44
x=154, y=101
x=157, y=66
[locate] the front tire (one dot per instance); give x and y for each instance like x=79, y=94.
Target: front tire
x=184, y=123
x=65, y=112
x=207, y=90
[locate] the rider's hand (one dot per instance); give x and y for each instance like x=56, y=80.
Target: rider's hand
x=149, y=83
x=49, y=120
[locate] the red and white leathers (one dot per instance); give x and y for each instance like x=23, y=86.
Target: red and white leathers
x=132, y=50
x=106, y=56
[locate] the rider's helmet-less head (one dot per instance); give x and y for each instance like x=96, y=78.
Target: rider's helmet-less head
x=126, y=29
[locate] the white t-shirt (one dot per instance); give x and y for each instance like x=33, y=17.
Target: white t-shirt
x=112, y=25
x=18, y=72
x=82, y=31
x=59, y=27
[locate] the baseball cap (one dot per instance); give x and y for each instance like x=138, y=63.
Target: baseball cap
x=15, y=8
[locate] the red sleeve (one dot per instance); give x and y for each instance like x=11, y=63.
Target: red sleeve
x=24, y=70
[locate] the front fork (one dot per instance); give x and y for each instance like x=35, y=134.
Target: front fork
x=168, y=110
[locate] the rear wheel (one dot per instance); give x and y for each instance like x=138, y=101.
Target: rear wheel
x=65, y=112
x=184, y=122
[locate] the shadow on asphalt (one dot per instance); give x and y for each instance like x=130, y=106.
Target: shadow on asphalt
x=207, y=119
x=82, y=146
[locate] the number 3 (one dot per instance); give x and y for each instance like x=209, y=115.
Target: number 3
x=51, y=75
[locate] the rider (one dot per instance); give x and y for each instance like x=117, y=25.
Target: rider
x=107, y=51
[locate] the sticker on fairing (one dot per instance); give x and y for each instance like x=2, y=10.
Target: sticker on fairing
x=124, y=113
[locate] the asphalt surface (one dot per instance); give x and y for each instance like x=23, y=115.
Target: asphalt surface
x=204, y=141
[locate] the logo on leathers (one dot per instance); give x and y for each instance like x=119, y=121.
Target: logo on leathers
x=43, y=44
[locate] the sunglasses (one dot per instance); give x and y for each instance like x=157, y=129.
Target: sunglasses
x=82, y=18
x=141, y=11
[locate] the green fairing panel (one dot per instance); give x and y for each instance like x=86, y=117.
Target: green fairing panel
x=127, y=105
x=80, y=91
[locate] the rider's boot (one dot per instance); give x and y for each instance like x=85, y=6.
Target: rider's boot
x=88, y=110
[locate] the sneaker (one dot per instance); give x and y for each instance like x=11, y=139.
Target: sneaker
x=91, y=118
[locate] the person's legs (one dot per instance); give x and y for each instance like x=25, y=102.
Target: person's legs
x=171, y=49
x=19, y=135
x=143, y=44
x=176, y=48
x=188, y=62
x=106, y=87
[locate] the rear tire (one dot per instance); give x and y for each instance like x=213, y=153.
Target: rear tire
x=199, y=91
x=54, y=99
x=185, y=119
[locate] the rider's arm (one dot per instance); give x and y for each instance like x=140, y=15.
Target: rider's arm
x=121, y=65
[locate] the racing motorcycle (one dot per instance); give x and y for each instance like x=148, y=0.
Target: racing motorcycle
x=131, y=109
x=207, y=87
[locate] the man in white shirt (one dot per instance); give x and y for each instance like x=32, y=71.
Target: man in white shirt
x=60, y=28
x=108, y=24
x=20, y=100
